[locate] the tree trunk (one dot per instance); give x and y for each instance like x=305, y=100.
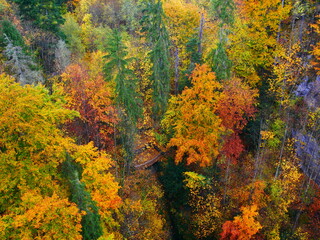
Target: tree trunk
x=202, y=21
x=176, y=71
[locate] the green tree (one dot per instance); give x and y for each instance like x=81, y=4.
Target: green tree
x=117, y=70
x=8, y=30
x=157, y=35
x=126, y=97
x=220, y=63
x=47, y=14
x=223, y=10
x=91, y=228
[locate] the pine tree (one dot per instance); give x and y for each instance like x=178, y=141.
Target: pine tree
x=223, y=11
x=47, y=14
x=126, y=97
x=116, y=69
x=8, y=30
x=91, y=228
x=219, y=61
x=157, y=35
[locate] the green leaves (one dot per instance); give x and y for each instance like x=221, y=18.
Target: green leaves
x=116, y=69
x=157, y=35
x=46, y=14
x=223, y=10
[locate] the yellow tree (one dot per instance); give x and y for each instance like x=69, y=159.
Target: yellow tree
x=140, y=212
x=197, y=128
x=287, y=73
x=205, y=204
x=316, y=48
x=97, y=178
x=254, y=36
x=183, y=23
x=284, y=191
x=33, y=194
x=42, y=217
x=32, y=149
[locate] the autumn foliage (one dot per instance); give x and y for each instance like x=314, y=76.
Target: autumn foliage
x=159, y=119
x=235, y=107
x=243, y=227
x=33, y=148
x=197, y=127
x=91, y=97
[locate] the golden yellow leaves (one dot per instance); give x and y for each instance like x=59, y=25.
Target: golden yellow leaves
x=97, y=178
x=197, y=127
x=32, y=145
x=205, y=204
x=32, y=148
x=316, y=48
x=183, y=20
x=254, y=36
x=40, y=217
x=266, y=135
x=287, y=73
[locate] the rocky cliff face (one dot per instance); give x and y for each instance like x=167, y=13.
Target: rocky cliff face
x=310, y=91
x=308, y=143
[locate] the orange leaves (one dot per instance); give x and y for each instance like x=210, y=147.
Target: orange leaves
x=97, y=178
x=91, y=96
x=197, y=127
x=236, y=104
x=43, y=218
x=202, y=114
x=253, y=193
x=235, y=107
x=242, y=227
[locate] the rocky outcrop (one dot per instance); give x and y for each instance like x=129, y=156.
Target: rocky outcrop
x=308, y=150
x=310, y=91
x=308, y=144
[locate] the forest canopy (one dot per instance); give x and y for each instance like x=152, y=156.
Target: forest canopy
x=159, y=119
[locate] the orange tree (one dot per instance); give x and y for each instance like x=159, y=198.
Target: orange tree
x=197, y=128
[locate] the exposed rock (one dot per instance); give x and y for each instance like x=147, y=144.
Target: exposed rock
x=308, y=150
x=307, y=145
x=304, y=87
